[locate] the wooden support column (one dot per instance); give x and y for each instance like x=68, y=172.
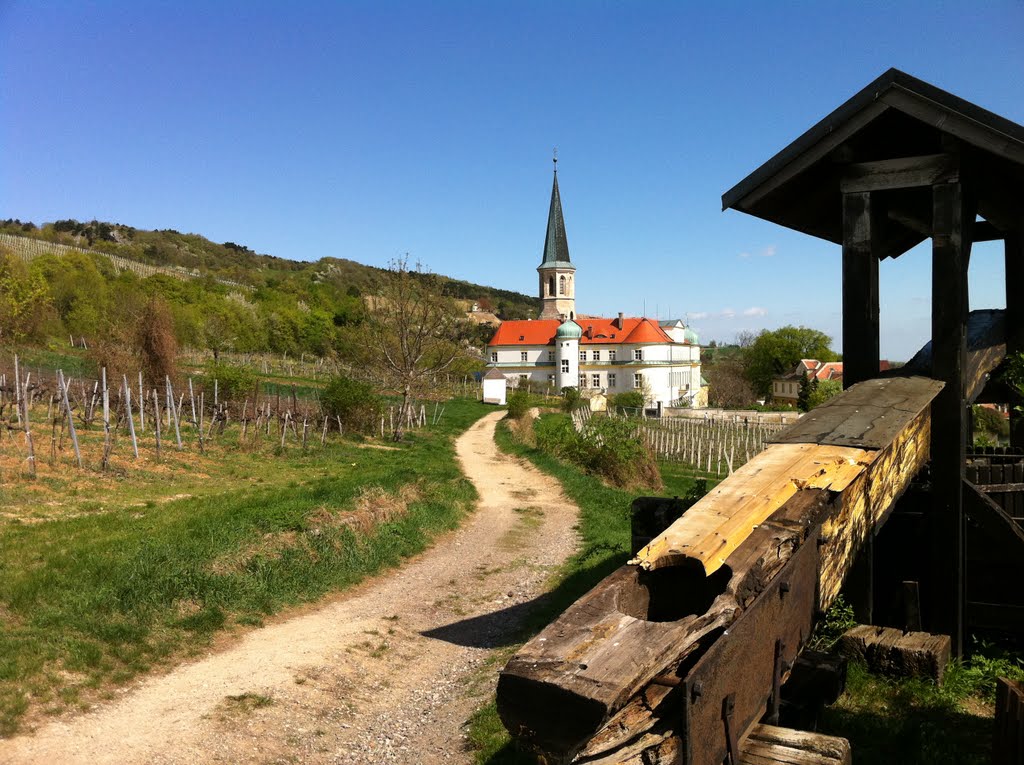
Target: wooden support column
x=1014, y=247
x=860, y=353
x=952, y=216
x=860, y=289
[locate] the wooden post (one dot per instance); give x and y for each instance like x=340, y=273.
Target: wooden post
x=128, y=412
x=860, y=290
x=952, y=217
x=156, y=422
x=67, y=411
x=1014, y=249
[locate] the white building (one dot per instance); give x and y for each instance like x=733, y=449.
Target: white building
x=563, y=349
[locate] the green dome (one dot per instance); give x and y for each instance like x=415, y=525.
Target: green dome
x=690, y=337
x=569, y=330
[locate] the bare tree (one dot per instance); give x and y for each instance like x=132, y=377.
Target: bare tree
x=413, y=333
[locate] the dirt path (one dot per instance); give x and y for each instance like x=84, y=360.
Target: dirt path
x=387, y=673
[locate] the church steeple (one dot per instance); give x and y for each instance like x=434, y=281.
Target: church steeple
x=557, y=273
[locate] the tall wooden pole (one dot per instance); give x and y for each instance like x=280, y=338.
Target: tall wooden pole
x=1014, y=248
x=860, y=289
x=952, y=218
x=860, y=352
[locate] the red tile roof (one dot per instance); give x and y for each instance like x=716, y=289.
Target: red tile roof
x=596, y=331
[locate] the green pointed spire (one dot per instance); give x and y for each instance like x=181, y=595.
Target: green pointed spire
x=556, y=247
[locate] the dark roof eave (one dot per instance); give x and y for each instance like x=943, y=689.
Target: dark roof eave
x=891, y=79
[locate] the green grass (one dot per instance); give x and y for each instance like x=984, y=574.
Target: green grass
x=100, y=597
x=605, y=533
x=917, y=722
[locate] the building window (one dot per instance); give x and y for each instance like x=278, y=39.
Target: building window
x=611, y=355
x=522, y=355
x=524, y=378
x=597, y=355
x=638, y=354
x=611, y=379
x=583, y=355
x=551, y=355
x=565, y=366
x=583, y=381
x=494, y=357
x=561, y=285
x=595, y=381
x=638, y=381
x=551, y=378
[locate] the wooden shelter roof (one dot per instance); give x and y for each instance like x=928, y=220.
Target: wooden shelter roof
x=894, y=119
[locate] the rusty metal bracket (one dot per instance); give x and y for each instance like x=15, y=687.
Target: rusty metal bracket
x=772, y=716
x=732, y=756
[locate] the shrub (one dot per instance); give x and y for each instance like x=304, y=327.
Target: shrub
x=606, y=447
x=233, y=382
x=632, y=399
x=355, y=403
x=518, y=404
x=571, y=399
x=157, y=343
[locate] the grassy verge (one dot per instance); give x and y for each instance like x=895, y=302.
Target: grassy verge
x=90, y=599
x=604, y=532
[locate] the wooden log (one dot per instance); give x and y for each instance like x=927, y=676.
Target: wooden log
x=896, y=653
x=770, y=745
x=1008, y=738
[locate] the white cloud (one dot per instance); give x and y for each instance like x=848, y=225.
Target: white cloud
x=697, y=315
x=764, y=252
x=755, y=311
x=727, y=313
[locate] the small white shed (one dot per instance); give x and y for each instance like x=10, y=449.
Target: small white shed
x=494, y=388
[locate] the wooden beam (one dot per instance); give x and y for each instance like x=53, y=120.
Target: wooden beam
x=770, y=745
x=813, y=154
x=1003, y=531
x=952, y=216
x=987, y=232
x=1014, y=259
x=959, y=125
x=900, y=173
x=860, y=289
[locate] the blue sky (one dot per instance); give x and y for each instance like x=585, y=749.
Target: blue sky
x=367, y=130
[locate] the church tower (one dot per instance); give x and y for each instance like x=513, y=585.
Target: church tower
x=557, y=274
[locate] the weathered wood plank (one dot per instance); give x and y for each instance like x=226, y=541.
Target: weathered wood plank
x=899, y=173
x=773, y=745
x=714, y=527
x=867, y=416
x=893, y=652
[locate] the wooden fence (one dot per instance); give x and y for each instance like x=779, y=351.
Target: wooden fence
x=715, y=447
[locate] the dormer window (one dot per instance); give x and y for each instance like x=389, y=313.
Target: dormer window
x=522, y=337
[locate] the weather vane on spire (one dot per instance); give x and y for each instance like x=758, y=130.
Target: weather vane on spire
x=554, y=157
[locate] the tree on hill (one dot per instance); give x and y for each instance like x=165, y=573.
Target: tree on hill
x=412, y=333
x=775, y=352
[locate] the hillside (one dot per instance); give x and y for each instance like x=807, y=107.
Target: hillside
x=93, y=281
x=237, y=263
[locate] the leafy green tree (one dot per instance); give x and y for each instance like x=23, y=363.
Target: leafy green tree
x=808, y=384
x=775, y=352
x=822, y=392
x=24, y=301
x=412, y=334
